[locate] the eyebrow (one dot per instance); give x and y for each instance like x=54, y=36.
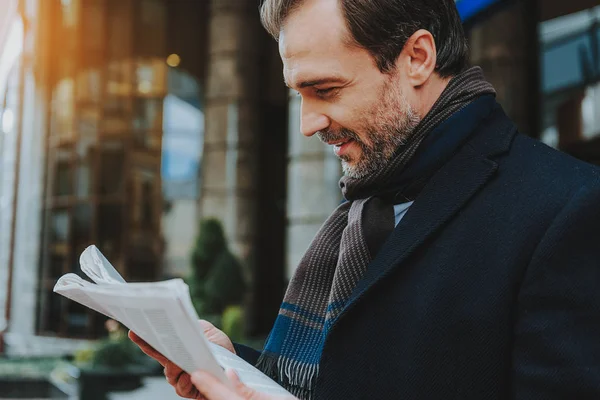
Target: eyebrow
x=316, y=82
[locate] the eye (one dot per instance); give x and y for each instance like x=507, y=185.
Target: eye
x=324, y=92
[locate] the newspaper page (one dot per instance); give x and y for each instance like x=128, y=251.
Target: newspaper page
x=162, y=314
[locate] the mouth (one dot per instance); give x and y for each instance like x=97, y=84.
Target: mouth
x=340, y=146
x=338, y=142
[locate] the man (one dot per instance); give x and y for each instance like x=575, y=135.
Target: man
x=464, y=263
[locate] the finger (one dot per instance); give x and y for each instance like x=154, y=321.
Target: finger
x=180, y=381
x=147, y=349
x=185, y=387
x=172, y=372
x=212, y=388
x=136, y=339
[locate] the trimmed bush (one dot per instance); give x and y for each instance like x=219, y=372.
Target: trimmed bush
x=217, y=278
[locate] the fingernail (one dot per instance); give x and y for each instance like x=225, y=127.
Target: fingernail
x=197, y=375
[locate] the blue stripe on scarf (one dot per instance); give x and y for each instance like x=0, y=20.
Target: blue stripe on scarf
x=308, y=355
x=335, y=305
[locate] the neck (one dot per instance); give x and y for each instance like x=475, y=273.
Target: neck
x=428, y=93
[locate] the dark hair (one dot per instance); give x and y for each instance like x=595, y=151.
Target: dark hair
x=382, y=27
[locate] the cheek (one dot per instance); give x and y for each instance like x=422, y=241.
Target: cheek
x=356, y=113
x=357, y=122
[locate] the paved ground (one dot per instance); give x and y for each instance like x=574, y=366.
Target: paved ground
x=155, y=388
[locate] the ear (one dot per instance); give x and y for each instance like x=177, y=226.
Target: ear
x=419, y=57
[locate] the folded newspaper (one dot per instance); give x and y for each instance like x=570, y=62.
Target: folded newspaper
x=162, y=314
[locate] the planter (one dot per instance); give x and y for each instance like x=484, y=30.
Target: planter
x=95, y=383
x=29, y=388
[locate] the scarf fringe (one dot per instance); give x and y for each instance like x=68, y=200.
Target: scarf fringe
x=296, y=377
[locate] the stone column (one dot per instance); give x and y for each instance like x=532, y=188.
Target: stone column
x=228, y=189
x=28, y=211
x=313, y=192
x=506, y=47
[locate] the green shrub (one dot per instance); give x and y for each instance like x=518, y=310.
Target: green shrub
x=233, y=323
x=217, y=278
x=116, y=351
x=83, y=356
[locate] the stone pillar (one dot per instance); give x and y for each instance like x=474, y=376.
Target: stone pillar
x=569, y=121
x=230, y=154
x=313, y=192
x=29, y=195
x=506, y=47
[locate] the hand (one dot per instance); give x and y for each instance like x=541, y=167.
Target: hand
x=213, y=389
x=177, y=377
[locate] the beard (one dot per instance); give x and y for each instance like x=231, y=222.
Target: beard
x=389, y=124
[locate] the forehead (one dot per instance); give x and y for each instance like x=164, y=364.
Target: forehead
x=313, y=42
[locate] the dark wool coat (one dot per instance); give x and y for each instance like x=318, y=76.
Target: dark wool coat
x=489, y=288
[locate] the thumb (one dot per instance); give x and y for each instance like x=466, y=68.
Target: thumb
x=239, y=387
x=206, y=326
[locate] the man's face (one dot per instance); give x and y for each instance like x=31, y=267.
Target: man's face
x=346, y=100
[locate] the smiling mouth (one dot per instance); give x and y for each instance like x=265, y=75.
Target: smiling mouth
x=339, y=143
x=341, y=147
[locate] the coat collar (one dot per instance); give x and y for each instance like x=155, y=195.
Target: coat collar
x=445, y=194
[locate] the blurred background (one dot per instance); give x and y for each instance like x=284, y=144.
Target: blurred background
x=162, y=132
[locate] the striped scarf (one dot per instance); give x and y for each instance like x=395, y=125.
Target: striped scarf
x=339, y=255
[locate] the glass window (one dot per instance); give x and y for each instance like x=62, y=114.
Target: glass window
x=105, y=151
x=570, y=83
x=59, y=227
x=147, y=115
x=57, y=266
x=120, y=35
x=144, y=198
x=112, y=162
x=85, y=150
x=62, y=167
x=63, y=110
x=52, y=307
x=151, y=29
x=77, y=320
x=92, y=28
x=89, y=86
x=110, y=227
x=116, y=118
x=82, y=229
x=151, y=78
x=147, y=123
x=119, y=81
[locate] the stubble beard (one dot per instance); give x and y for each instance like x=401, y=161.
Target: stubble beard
x=389, y=126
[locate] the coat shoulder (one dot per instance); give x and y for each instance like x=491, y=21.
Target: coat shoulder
x=550, y=171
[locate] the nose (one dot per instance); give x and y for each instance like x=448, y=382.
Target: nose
x=312, y=121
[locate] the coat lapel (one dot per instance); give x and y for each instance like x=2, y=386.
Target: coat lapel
x=444, y=195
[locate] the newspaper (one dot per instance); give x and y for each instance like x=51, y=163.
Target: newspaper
x=162, y=314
